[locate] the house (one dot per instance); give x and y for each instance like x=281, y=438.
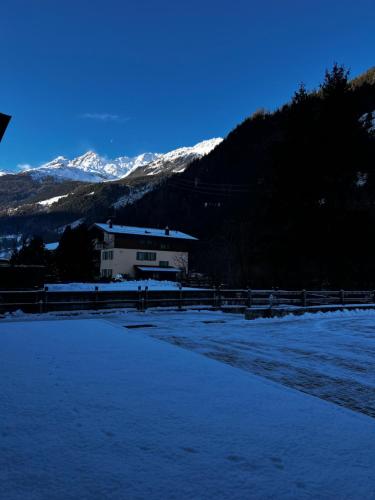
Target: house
x=140, y=252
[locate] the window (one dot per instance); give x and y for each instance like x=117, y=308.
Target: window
x=146, y=255
x=108, y=255
x=163, y=263
x=145, y=243
x=106, y=273
x=165, y=246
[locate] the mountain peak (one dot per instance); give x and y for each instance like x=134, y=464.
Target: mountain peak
x=88, y=154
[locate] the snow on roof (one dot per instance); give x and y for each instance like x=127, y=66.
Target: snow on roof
x=144, y=231
x=52, y=246
x=162, y=269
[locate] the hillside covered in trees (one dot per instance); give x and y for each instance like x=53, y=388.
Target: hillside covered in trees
x=288, y=198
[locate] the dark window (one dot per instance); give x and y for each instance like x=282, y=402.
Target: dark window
x=146, y=255
x=164, y=263
x=146, y=243
x=108, y=255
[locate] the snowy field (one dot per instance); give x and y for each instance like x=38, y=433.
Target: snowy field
x=109, y=406
x=116, y=286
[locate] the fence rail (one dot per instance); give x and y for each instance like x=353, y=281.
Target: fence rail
x=40, y=301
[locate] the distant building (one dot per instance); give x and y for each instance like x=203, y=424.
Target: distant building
x=140, y=252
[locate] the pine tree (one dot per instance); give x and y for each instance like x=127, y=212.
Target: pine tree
x=32, y=252
x=75, y=255
x=336, y=81
x=300, y=95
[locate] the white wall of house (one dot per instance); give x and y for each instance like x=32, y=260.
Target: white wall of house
x=124, y=260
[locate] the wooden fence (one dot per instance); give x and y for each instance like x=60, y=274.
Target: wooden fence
x=40, y=301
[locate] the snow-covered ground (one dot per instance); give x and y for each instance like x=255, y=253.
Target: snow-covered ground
x=328, y=355
x=120, y=286
x=94, y=410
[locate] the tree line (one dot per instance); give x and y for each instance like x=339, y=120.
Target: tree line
x=75, y=258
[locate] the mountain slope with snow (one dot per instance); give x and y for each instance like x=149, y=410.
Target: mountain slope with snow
x=91, y=167
x=176, y=161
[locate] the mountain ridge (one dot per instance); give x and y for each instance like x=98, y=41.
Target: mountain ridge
x=92, y=167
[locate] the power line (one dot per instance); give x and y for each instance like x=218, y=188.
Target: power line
x=215, y=191
x=196, y=182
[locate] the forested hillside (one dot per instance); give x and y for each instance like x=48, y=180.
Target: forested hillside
x=288, y=198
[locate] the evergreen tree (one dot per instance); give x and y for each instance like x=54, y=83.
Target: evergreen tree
x=32, y=252
x=75, y=255
x=301, y=95
x=335, y=82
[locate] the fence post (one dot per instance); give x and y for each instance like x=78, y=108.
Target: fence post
x=96, y=297
x=214, y=297
x=180, y=296
x=249, y=298
x=45, y=297
x=271, y=300
x=139, y=298
x=373, y=296
x=218, y=297
x=304, y=298
x=41, y=301
x=145, y=298
x=342, y=297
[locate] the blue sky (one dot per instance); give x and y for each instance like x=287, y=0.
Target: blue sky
x=124, y=77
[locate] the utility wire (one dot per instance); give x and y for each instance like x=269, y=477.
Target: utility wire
x=197, y=183
x=209, y=191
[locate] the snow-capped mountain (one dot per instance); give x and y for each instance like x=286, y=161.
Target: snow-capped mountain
x=92, y=167
x=176, y=161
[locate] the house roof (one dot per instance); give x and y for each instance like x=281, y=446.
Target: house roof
x=144, y=231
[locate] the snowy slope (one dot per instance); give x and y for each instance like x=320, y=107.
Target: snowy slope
x=51, y=201
x=176, y=161
x=91, y=167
